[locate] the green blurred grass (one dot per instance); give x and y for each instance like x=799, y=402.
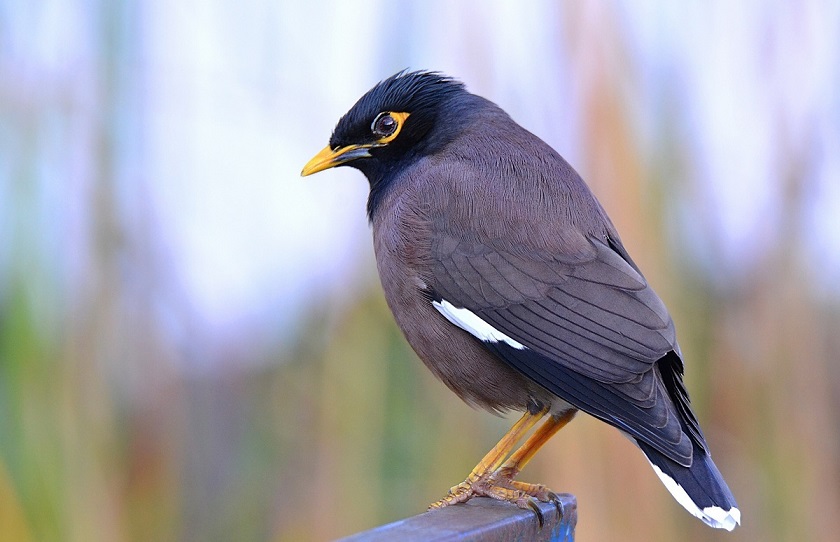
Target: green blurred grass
x=349, y=430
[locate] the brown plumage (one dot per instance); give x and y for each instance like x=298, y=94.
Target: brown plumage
x=512, y=285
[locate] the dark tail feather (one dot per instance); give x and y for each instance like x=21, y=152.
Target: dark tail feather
x=700, y=488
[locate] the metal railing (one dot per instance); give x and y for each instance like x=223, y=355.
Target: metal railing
x=480, y=519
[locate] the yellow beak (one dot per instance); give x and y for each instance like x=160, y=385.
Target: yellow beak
x=329, y=158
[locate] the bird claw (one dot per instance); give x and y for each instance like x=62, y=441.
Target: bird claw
x=499, y=486
x=532, y=504
x=558, y=504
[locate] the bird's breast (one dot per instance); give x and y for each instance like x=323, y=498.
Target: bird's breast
x=402, y=242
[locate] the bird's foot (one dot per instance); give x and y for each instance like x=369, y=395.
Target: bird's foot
x=499, y=485
x=457, y=494
x=537, y=491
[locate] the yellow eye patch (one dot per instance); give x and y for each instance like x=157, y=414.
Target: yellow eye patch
x=388, y=124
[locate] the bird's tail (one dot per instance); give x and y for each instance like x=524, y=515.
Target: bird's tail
x=700, y=488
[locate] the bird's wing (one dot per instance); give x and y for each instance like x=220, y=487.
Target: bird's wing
x=588, y=328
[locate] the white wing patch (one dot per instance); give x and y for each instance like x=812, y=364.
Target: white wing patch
x=472, y=324
x=714, y=516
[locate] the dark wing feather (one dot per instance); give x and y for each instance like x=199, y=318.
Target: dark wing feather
x=594, y=331
x=600, y=315
x=650, y=421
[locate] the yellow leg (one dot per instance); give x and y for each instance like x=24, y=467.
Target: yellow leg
x=500, y=451
x=503, y=477
x=492, y=461
x=493, y=476
x=523, y=455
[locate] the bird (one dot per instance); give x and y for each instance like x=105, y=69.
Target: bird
x=512, y=285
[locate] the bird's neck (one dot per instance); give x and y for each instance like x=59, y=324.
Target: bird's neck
x=379, y=187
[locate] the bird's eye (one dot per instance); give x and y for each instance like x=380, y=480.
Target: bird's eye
x=384, y=125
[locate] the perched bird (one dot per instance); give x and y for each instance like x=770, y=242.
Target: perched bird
x=512, y=285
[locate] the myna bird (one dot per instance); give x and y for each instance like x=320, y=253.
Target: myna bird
x=512, y=285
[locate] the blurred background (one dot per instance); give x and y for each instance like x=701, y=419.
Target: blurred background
x=193, y=340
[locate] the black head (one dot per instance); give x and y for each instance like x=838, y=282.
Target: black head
x=403, y=118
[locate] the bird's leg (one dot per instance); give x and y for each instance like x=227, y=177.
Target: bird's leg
x=517, y=461
x=491, y=462
x=503, y=476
